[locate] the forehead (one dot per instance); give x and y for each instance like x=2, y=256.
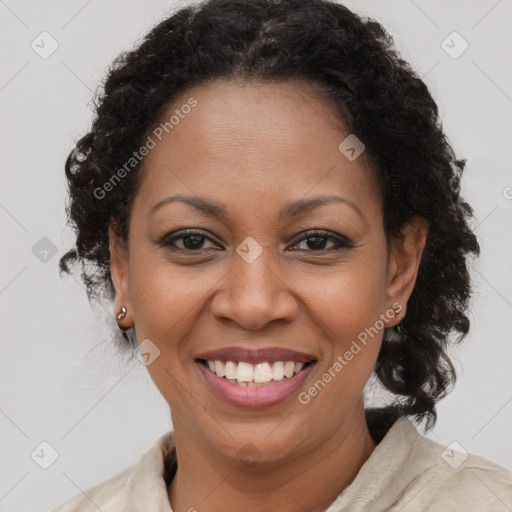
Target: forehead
x=251, y=145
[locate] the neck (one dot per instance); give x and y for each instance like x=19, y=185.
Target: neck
x=206, y=481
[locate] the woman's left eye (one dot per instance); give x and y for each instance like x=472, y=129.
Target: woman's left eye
x=318, y=239
x=193, y=240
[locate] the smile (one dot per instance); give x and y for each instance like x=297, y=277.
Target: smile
x=242, y=373
x=254, y=379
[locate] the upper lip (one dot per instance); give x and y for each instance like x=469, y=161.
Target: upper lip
x=255, y=355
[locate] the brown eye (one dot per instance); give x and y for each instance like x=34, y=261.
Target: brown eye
x=317, y=240
x=190, y=239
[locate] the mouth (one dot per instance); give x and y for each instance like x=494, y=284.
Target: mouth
x=254, y=378
x=243, y=373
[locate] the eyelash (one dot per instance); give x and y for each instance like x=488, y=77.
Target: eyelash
x=340, y=242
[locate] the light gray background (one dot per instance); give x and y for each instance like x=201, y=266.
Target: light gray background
x=61, y=381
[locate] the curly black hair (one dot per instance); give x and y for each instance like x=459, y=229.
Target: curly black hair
x=378, y=96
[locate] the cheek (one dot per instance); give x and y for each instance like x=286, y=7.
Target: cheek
x=351, y=314
x=165, y=301
x=350, y=304
x=166, y=297
x=350, y=298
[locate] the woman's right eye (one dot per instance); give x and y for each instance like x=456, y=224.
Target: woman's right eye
x=190, y=239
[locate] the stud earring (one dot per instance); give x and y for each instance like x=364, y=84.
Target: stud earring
x=122, y=314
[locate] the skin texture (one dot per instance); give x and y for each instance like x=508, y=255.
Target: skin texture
x=253, y=148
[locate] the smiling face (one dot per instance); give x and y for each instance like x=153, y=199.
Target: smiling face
x=256, y=273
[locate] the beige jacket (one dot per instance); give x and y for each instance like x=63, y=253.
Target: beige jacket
x=406, y=472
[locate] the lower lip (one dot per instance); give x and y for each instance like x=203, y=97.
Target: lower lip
x=256, y=397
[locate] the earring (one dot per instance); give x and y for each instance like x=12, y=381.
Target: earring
x=399, y=327
x=122, y=314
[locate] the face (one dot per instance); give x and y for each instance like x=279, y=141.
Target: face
x=287, y=261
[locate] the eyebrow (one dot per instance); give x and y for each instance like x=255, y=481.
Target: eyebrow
x=289, y=210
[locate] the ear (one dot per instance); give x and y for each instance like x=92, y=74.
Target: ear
x=121, y=278
x=404, y=260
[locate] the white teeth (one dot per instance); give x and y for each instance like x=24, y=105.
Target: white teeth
x=219, y=369
x=230, y=370
x=244, y=372
x=278, y=370
x=289, y=369
x=248, y=374
x=262, y=372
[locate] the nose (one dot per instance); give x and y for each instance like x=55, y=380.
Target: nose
x=255, y=294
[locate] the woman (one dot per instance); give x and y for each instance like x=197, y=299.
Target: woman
x=268, y=198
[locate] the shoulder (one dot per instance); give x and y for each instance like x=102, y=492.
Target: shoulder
x=136, y=488
x=409, y=472
x=450, y=479
x=461, y=481
x=100, y=497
